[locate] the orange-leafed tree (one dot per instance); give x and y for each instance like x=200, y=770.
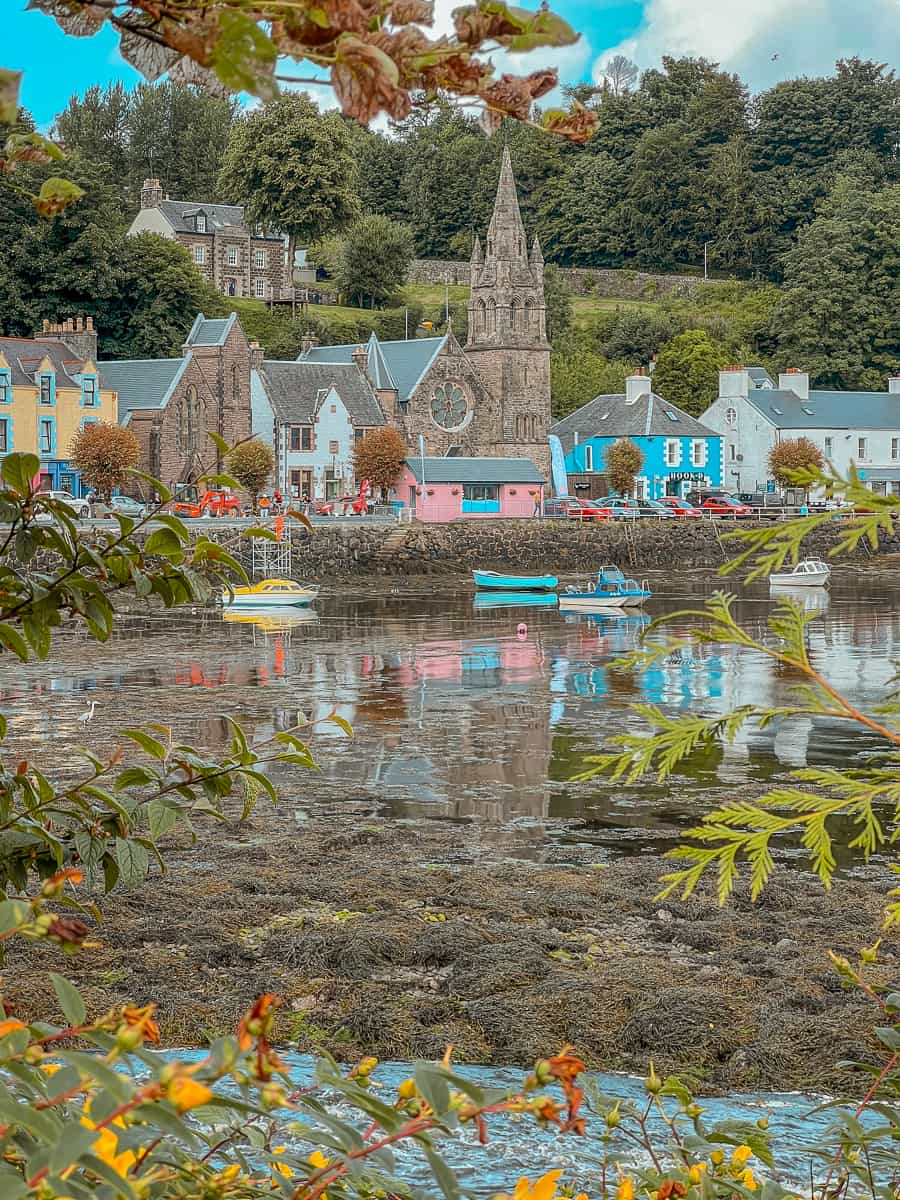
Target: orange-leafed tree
x=379, y=457
x=104, y=454
x=623, y=461
x=791, y=455
x=251, y=463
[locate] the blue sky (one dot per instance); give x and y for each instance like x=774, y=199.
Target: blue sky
x=764, y=40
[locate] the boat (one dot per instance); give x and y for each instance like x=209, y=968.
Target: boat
x=809, y=572
x=270, y=593
x=494, y=581
x=612, y=590
x=486, y=600
x=271, y=620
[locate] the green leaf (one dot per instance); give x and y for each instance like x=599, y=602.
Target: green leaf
x=13, y=913
x=219, y=442
x=244, y=56
x=133, y=861
x=19, y=470
x=154, y=748
x=165, y=543
x=10, y=82
x=341, y=724
x=13, y=640
x=433, y=1085
x=446, y=1179
x=69, y=999
x=161, y=818
x=55, y=196
x=155, y=485
x=74, y=1141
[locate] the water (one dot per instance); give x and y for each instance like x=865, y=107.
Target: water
x=454, y=716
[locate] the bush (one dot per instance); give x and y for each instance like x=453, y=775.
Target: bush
x=104, y=454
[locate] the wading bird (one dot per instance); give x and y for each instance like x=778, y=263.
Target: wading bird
x=87, y=716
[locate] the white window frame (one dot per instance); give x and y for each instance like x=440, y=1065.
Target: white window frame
x=671, y=452
x=828, y=447
x=731, y=416
x=698, y=452
x=45, y=425
x=259, y=288
x=260, y=259
x=200, y=223
x=200, y=255
x=589, y=458
x=231, y=256
x=895, y=448
x=862, y=449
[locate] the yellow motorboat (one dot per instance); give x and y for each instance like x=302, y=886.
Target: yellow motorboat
x=270, y=593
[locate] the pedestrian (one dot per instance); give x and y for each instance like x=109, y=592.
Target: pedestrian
x=264, y=505
x=279, y=500
x=537, y=504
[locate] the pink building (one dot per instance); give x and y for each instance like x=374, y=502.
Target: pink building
x=454, y=488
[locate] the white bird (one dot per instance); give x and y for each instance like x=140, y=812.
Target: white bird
x=87, y=716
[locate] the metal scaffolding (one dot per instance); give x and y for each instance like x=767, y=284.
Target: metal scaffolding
x=270, y=560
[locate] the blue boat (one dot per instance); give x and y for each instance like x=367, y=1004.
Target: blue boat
x=494, y=581
x=612, y=590
x=485, y=600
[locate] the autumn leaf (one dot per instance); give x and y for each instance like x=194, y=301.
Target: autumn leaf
x=9, y=95
x=56, y=195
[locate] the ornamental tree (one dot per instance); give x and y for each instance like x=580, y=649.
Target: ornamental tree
x=104, y=454
x=374, y=259
x=623, y=461
x=251, y=463
x=792, y=455
x=379, y=457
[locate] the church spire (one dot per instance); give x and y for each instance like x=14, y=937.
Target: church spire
x=537, y=257
x=506, y=233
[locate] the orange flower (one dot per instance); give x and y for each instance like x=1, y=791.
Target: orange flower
x=141, y=1019
x=625, y=1190
x=565, y=1066
x=669, y=1188
x=8, y=1027
x=186, y=1093
x=257, y=1022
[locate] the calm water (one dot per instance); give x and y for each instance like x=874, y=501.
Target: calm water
x=457, y=716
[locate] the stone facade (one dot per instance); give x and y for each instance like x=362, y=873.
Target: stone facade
x=478, y=431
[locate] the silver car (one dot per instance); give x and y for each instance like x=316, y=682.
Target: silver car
x=81, y=508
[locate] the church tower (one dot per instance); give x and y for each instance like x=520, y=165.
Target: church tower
x=507, y=340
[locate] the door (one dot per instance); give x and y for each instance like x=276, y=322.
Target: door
x=232, y=288
x=412, y=500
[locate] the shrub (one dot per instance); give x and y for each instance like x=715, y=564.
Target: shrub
x=623, y=461
x=104, y=454
x=792, y=457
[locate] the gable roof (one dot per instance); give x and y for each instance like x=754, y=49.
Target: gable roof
x=609, y=416
x=475, y=470
x=25, y=355
x=207, y=331
x=827, y=410
x=760, y=377
x=141, y=382
x=294, y=389
x=405, y=361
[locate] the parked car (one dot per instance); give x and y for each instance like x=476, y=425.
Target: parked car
x=577, y=510
x=81, y=507
x=213, y=503
x=127, y=506
x=681, y=508
x=720, y=504
x=621, y=509
x=654, y=508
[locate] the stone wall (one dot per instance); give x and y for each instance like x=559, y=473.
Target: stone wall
x=582, y=281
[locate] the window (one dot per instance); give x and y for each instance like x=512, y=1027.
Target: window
x=4, y=387
x=829, y=447
x=4, y=443
x=259, y=287
x=671, y=415
x=89, y=388
x=862, y=448
x=200, y=223
x=260, y=258
x=231, y=256
x=301, y=437
x=199, y=254
x=86, y=424
x=46, y=437
x=480, y=491
x=671, y=452
x=46, y=390
x=698, y=452
x=895, y=447
x=295, y=437
x=589, y=458
x=732, y=452
x=334, y=448
x=731, y=416
x=359, y=434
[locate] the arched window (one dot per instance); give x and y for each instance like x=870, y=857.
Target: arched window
x=192, y=420
x=529, y=315
x=235, y=387
x=492, y=316
x=479, y=316
x=731, y=416
x=513, y=315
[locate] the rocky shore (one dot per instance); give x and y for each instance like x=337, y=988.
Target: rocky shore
x=394, y=939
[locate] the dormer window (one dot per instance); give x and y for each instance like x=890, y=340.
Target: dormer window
x=46, y=390
x=200, y=222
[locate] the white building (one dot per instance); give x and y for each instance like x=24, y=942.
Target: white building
x=752, y=414
x=312, y=414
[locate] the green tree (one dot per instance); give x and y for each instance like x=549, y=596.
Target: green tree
x=104, y=454
x=687, y=371
x=293, y=169
x=558, y=300
x=251, y=463
x=374, y=259
x=622, y=463
x=578, y=374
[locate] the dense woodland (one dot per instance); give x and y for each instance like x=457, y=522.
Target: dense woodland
x=796, y=192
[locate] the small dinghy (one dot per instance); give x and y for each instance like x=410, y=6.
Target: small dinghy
x=494, y=581
x=809, y=572
x=613, y=590
x=488, y=599
x=270, y=593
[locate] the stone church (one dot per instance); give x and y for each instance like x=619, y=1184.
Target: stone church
x=491, y=396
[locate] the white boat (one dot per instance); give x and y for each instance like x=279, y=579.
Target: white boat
x=809, y=572
x=270, y=593
x=611, y=591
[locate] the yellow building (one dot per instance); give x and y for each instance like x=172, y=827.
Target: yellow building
x=49, y=390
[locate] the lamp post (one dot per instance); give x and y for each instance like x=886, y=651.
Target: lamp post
x=706, y=245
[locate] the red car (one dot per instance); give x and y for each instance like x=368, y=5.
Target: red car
x=680, y=507
x=578, y=510
x=726, y=506
x=213, y=503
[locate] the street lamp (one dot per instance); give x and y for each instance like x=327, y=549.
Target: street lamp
x=706, y=259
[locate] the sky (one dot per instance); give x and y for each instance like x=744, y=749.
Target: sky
x=763, y=40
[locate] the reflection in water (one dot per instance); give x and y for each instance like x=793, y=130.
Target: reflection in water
x=454, y=713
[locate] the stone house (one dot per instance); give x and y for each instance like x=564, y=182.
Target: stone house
x=171, y=404
x=236, y=259
x=312, y=415
x=49, y=391
x=679, y=452
x=491, y=396
x=752, y=415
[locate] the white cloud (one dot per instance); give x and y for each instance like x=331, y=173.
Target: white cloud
x=744, y=35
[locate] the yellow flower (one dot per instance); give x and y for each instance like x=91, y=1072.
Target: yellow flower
x=717, y=1158
x=407, y=1089
x=740, y=1156
x=748, y=1179
x=186, y=1093
x=318, y=1159
x=697, y=1171
x=107, y=1144
x=542, y=1189
x=625, y=1190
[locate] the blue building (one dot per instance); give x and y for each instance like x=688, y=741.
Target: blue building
x=678, y=452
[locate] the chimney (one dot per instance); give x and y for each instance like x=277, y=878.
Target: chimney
x=636, y=385
x=361, y=357
x=256, y=356
x=894, y=385
x=151, y=193
x=79, y=335
x=309, y=341
x=734, y=381
x=794, y=380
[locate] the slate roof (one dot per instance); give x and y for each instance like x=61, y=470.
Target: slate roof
x=141, y=382
x=760, y=377
x=24, y=356
x=405, y=361
x=610, y=416
x=210, y=332
x=218, y=217
x=295, y=388
x=475, y=470
x=828, y=410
